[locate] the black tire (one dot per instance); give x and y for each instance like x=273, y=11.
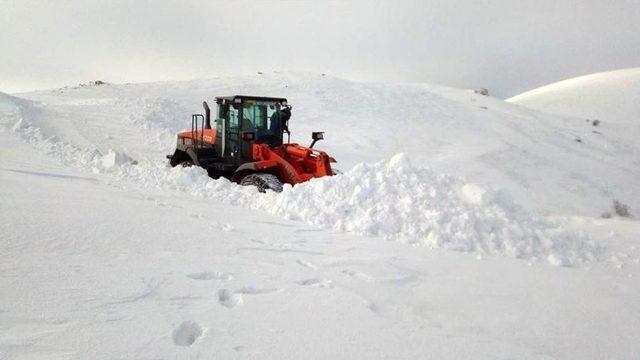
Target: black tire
x=177, y=158
x=186, y=163
x=263, y=182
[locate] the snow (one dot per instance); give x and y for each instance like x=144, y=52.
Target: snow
x=187, y=333
x=608, y=95
x=112, y=159
x=533, y=156
x=605, y=101
x=470, y=229
x=389, y=199
x=393, y=200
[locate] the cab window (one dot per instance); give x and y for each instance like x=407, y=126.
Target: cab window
x=264, y=120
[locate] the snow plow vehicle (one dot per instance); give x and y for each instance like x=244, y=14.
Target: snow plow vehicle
x=247, y=145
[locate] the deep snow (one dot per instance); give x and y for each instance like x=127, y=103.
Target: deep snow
x=107, y=252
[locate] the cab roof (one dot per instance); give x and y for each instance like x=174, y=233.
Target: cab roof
x=242, y=98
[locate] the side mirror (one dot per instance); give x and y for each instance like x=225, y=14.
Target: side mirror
x=286, y=113
x=316, y=135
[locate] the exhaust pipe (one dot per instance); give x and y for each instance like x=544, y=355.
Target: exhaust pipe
x=207, y=115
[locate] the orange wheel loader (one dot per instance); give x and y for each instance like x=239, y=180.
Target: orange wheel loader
x=247, y=144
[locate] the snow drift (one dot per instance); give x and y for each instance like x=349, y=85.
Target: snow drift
x=394, y=200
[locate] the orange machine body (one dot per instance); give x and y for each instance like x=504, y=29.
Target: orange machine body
x=291, y=162
x=206, y=136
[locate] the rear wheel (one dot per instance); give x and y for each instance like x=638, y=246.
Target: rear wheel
x=263, y=182
x=178, y=158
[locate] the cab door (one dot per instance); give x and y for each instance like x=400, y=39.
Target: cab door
x=232, y=133
x=227, y=131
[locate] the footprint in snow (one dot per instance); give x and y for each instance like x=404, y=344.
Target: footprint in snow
x=306, y=264
x=229, y=298
x=316, y=282
x=252, y=290
x=187, y=333
x=210, y=275
x=358, y=275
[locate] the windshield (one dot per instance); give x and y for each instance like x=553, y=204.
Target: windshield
x=263, y=119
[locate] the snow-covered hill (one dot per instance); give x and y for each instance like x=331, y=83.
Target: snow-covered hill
x=549, y=164
x=610, y=99
x=608, y=96
x=107, y=252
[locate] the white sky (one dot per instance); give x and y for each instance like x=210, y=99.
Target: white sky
x=508, y=46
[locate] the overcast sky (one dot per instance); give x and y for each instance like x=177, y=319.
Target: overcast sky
x=508, y=46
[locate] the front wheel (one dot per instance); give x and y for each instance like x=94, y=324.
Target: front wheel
x=187, y=163
x=263, y=182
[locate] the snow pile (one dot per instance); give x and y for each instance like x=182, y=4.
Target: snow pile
x=67, y=154
x=394, y=200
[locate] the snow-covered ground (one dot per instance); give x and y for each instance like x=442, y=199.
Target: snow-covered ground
x=443, y=238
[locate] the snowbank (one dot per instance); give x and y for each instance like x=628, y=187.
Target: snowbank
x=396, y=201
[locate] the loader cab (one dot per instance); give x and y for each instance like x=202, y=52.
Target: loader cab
x=245, y=120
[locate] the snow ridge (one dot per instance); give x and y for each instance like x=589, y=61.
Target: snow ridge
x=396, y=201
x=390, y=199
